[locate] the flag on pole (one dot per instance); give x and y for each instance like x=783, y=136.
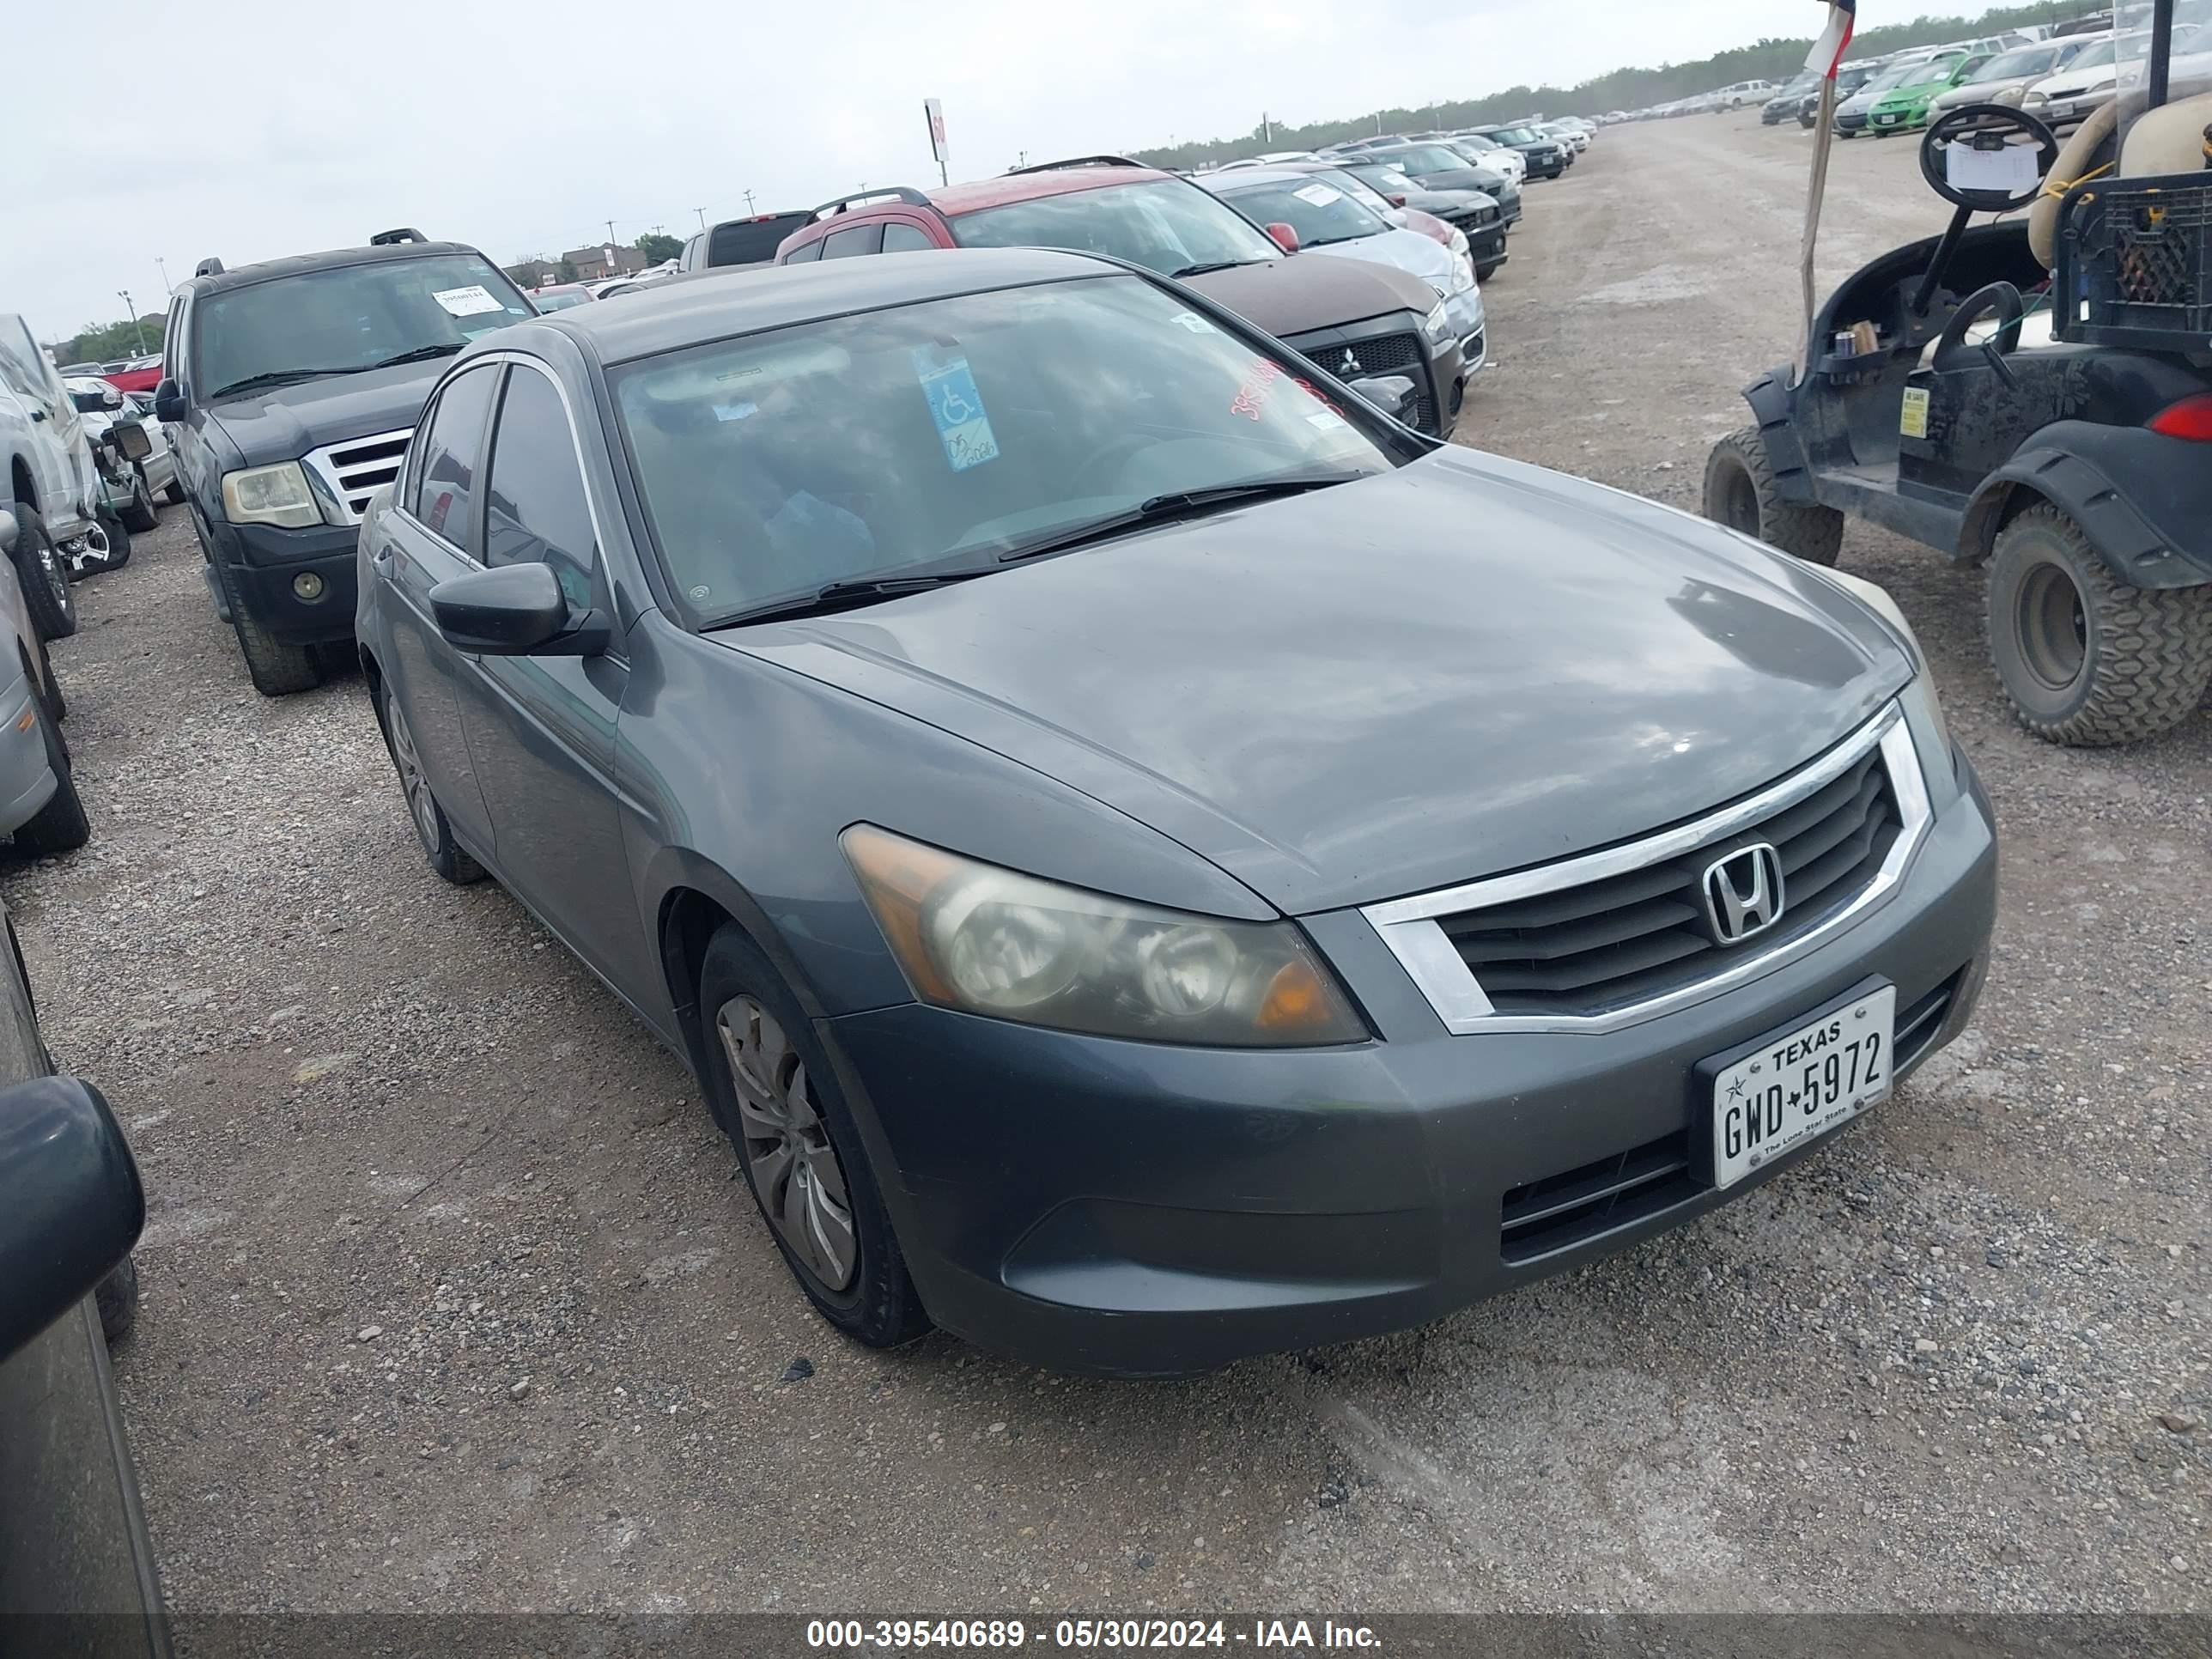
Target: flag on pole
x=1835, y=39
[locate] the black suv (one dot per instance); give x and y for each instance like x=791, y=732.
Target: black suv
x=290, y=389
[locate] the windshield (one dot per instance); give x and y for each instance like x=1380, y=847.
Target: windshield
x=347, y=317
x=1388, y=179
x=1428, y=159
x=1882, y=83
x=1936, y=72
x=2013, y=65
x=2104, y=52
x=1321, y=211
x=1517, y=135
x=1162, y=224
x=864, y=445
x=1477, y=141
x=561, y=300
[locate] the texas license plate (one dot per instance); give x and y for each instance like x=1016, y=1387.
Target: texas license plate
x=1799, y=1085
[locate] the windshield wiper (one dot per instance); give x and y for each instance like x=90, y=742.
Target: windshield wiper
x=420, y=354
x=1157, y=509
x=1211, y=264
x=278, y=377
x=853, y=590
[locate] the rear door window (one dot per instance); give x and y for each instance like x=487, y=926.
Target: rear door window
x=900, y=237
x=452, y=456
x=852, y=243
x=751, y=241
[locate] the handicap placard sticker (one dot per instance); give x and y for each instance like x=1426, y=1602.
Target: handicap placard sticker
x=956, y=407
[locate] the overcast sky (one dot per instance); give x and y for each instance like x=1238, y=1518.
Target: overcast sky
x=254, y=129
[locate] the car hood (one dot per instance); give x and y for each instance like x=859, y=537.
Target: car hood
x=1460, y=668
x=1403, y=250
x=1297, y=294
x=1484, y=179
x=286, y=422
x=1444, y=203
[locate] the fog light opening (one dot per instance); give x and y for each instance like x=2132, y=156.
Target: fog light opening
x=308, y=585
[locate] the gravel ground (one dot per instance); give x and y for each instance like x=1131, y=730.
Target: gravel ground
x=453, y=1300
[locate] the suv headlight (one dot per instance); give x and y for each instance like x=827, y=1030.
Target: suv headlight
x=275, y=494
x=1437, y=325
x=992, y=941
x=1924, y=709
x=1457, y=243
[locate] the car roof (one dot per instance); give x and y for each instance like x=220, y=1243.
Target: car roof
x=294, y=265
x=719, y=305
x=955, y=199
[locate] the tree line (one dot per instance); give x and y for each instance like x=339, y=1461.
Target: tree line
x=1770, y=59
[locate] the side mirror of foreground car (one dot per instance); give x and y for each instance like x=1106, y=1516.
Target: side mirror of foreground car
x=7, y=531
x=1394, y=394
x=515, y=610
x=71, y=1204
x=168, y=403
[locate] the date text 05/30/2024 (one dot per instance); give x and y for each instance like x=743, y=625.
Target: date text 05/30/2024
x=859, y=1636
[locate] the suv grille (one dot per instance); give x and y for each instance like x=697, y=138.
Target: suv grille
x=359, y=467
x=1628, y=937
x=1385, y=353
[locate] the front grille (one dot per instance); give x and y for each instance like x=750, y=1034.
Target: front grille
x=1384, y=353
x=356, y=469
x=1917, y=1026
x=1562, y=1211
x=1622, y=939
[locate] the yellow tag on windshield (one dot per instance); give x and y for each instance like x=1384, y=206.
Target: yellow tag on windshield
x=1913, y=420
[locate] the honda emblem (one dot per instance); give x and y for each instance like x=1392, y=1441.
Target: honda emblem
x=1742, y=893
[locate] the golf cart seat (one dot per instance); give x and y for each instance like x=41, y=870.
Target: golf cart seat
x=2167, y=140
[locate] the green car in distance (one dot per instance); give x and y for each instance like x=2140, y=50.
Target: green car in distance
x=1904, y=108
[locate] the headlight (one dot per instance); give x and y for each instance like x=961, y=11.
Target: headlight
x=275, y=494
x=1924, y=709
x=991, y=941
x=1457, y=244
x=1462, y=271
x=1437, y=325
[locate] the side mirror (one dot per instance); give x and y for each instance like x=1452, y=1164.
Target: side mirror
x=1397, y=201
x=515, y=610
x=7, y=531
x=112, y=399
x=1394, y=394
x=71, y=1204
x=168, y=402
x=1285, y=237
x=130, y=440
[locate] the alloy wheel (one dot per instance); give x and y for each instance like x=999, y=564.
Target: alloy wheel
x=2053, y=627
x=422, y=805
x=795, y=1172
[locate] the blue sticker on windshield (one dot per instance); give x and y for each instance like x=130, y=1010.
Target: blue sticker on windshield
x=958, y=409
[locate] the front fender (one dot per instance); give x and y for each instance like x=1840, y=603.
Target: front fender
x=1773, y=403
x=2144, y=500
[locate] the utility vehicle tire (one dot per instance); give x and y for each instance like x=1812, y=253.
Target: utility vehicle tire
x=275, y=668
x=1740, y=493
x=44, y=578
x=774, y=1092
x=60, y=824
x=2086, y=660
x=139, y=514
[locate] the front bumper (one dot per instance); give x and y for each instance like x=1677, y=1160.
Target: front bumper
x=1547, y=167
x=1394, y=345
x=264, y=562
x=2069, y=112
x=1486, y=244
x=1143, y=1210
x=27, y=778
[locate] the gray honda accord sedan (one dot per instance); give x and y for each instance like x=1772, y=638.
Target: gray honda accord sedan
x=1150, y=861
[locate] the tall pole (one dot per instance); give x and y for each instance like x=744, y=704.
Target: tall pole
x=165, y=283
x=132, y=312
x=749, y=201
x=701, y=212
x=611, y=233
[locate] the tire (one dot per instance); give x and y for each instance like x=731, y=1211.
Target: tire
x=57, y=704
x=1483, y=273
x=2085, y=660
x=1846, y=135
x=60, y=825
x=117, y=1298
x=1740, y=493
x=116, y=552
x=794, y=1134
x=174, y=492
x=275, y=668
x=44, y=578
x=140, y=515
x=432, y=827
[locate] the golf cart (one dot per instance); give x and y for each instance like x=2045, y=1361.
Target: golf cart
x=2035, y=391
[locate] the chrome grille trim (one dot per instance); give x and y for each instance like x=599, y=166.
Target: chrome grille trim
x=354, y=469
x=1409, y=929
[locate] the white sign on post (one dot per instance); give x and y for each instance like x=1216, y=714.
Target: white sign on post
x=939, y=151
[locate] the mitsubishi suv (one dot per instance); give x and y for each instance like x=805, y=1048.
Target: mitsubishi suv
x=1362, y=322
x=290, y=390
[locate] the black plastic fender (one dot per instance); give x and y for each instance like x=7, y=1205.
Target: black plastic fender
x=1773, y=405
x=2143, y=499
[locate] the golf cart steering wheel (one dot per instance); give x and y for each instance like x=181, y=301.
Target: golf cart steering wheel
x=1951, y=345
x=1984, y=127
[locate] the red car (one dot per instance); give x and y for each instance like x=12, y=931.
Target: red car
x=143, y=374
x=1356, y=319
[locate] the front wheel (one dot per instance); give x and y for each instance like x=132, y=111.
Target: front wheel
x=2086, y=660
x=1483, y=273
x=106, y=546
x=139, y=513
x=432, y=828
x=276, y=668
x=174, y=492
x=1740, y=493
x=60, y=824
x=43, y=577
x=775, y=1095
